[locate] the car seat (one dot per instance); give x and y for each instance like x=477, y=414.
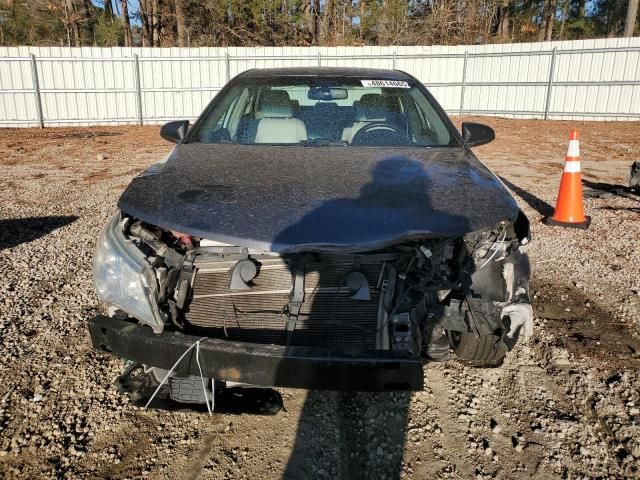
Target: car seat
x=371, y=107
x=276, y=123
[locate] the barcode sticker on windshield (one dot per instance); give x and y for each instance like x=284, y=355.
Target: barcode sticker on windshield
x=385, y=83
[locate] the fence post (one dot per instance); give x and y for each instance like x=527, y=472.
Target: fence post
x=394, y=60
x=36, y=90
x=464, y=81
x=227, y=66
x=547, y=103
x=136, y=74
x=319, y=59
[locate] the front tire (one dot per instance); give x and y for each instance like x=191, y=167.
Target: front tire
x=485, y=350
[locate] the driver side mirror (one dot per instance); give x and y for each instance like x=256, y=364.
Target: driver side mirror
x=175, y=131
x=475, y=134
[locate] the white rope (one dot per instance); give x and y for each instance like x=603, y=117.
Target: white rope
x=213, y=394
x=495, y=244
x=204, y=388
x=166, y=377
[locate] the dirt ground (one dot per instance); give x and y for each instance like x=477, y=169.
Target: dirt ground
x=564, y=405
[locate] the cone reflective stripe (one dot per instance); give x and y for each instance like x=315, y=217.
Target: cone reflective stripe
x=569, y=208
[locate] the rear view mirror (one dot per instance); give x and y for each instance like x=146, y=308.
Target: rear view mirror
x=175, y=131
x=475, y=134
x=327, y=93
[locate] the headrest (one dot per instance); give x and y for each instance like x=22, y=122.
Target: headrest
x=372, y=107
x=276, y=104
x=323, y=107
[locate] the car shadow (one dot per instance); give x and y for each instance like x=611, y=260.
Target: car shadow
x=539, y=205
x=601, y=189
x=15, y=231
x=342, y=434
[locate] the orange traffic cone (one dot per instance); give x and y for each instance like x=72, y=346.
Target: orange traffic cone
x=569, y=209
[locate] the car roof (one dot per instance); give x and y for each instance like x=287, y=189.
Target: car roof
x=373, y=73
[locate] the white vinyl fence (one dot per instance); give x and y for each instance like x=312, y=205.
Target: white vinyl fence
x=52, y=86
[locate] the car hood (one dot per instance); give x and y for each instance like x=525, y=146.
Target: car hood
x=291, y=198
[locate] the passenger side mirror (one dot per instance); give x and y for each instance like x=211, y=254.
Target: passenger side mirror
x=175, y=131
x=475, y=134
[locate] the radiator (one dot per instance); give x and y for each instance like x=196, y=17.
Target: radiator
x=329, y=317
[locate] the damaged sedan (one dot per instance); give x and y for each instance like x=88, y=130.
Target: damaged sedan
x=319, y=228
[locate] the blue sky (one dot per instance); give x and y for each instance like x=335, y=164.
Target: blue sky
x=133, y=5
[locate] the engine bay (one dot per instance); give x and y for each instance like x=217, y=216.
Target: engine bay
x=408, y=296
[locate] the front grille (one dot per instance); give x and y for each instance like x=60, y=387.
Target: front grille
x=328, y=317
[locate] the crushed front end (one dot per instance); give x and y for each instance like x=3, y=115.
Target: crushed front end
x=313, y=319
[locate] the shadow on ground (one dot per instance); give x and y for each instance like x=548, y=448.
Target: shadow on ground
x=356, y=435
x=600, y=189
x=539, y=205
x=14, y=231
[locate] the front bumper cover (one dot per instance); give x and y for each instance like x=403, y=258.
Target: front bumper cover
x=257, y=364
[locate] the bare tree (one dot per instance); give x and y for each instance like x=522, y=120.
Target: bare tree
x=362, y=7
x=72, y=19
x=502, y=20
x=330, y=14
x=108, y=8
x=144, y=11
x=564, y=7
x=630, y=21
x=126, y=24
x=316, y=21
x=581, y=8
x=155, y=22
x=547, y=19
x=181, y=26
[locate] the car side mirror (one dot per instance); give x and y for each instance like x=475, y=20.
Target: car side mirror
x=475, y=134
x=175, y=131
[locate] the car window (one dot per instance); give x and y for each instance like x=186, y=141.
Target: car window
x=324, y=112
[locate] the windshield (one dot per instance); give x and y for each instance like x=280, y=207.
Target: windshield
x=312, y=111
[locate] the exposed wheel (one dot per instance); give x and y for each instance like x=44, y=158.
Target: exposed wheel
x=485, y=350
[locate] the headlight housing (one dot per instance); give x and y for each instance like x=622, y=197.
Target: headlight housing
x=123, y=277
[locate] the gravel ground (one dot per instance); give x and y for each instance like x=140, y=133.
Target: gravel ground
x=566, y=405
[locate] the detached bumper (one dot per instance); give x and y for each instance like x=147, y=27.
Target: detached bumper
x=256, y=364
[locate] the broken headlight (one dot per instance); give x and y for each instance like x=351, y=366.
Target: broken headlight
x=123, y=277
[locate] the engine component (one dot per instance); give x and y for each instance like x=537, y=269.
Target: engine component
x=243, y=272
x=328, y=313
x=403, y=333
x=358, y=283
x=153, y=240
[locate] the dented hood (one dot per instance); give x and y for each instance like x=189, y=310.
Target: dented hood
x=286, y=199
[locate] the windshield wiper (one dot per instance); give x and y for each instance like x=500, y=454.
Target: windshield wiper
x=324, y=142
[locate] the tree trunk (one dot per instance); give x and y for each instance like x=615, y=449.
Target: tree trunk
x=630, y=22
x=108, y=8
x=565, y=13
x=145, y=20
x=546, y=21
x=307, y=20
x=89, y=18
x=72, y=18
x=315, y=13
x=581, y=8
x=551, y=16
x=166, y=32
x=330, y=13
x=502, y=27
x=181, y=27
x=126, y=25
x=155, y=22
x=362, y=8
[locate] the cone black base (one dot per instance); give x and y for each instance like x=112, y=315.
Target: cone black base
x=555, y=223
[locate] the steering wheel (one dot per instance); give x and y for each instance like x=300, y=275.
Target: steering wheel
x=380, y=134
